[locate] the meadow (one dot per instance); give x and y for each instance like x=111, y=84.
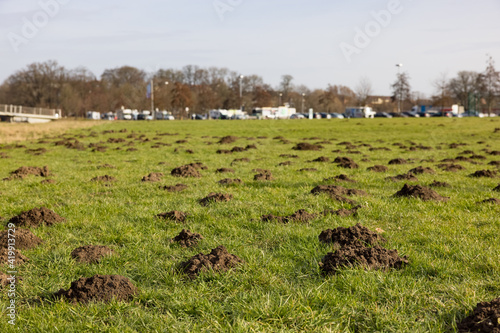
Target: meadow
x=452, y=246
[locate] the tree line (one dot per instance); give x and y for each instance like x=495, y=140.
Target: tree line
x=75, y=91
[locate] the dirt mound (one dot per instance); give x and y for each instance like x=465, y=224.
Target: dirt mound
x=25, y=171
x=99, y=288
x=4, y=280
x=342, y=212
x=104, y=179
x=338, y=190
x=228, y=181
x=435, y=183
x=406, y=176
x=484, y=173
x=285, y=163
x=289, y=156
x=187, y=238
x=495, y=163
x=299, y=216
x=222, y=170
x=490, y=200
x=355, y=235
x=367, y=257
x=398, y=161
x=378, y=168
x=345, y=162
x=321, y=159
x=308, y=169
x=484, y=318
x=36, y=152
x=153, y=177
x=420, y=170
x=174, y=188
x=215, y=197
x=263, y=175
x=497, y=188
x=228, y=139
x=340, y=178
x=174, y=215
x=219, y=260
x=25, y=239
x=91, y=253
x=186, y=171
x=450, y=167
x=36, y=217
x=419, y=191
x=306, y=146
x=243, y=159
x=5, y=255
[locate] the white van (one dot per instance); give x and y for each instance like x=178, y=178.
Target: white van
x=359, y=112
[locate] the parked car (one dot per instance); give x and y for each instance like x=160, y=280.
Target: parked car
x=382, y=115
x=325, y=115
x=336, y=115
x=197, y=116
x=412, y=114
x=297, y=116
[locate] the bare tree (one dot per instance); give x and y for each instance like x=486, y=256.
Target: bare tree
x=464, y=87
x=490, y=84
x=443, y=96
x=401, y=88
x=363, y=90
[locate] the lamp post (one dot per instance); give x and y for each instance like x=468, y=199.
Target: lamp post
x=303, y=95
x=153, y=97
x=241, y=93
x=279, y=104
x=400, y=87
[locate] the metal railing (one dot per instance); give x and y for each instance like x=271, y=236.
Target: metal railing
x=26, y=110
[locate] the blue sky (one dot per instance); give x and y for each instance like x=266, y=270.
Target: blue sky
x=317, y=41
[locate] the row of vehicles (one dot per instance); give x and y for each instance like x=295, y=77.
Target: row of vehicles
x=128, y=114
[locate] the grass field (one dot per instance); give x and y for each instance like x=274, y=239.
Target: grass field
x=452, y=247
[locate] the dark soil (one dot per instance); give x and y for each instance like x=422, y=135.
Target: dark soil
x=398, y=161
x=5, y=253
x=307, y=146
x=219, y=260
x=25, y=239
x=355, y=235
x=153, y=177
x=228, y=181
x=308, y=169
x=345, y=162
x=342, y=212
x=174, y=188
x=187, y=238
x=186, y=171
x=406, y=176
x=36, y=152
x=37, y=217
x=378, y=168
x=338, y=190
x=299, y=216
x=289, y=156
x=420, y=170
x=450, y=167
x=435, y=183
x=490, y=200
x=174, y=215
x=243, y=159
x=104, y=179
x=484, y=173
x=91, y=253
x=285, y=163
x=341, y=178
x=419, y=191
x=215, y=197
x=497, y=188
x=99, y=288
x=321, y=159
x=228, y=139
x=222, y=170
x=223, y=151
x=485, y=318
x=25, y=171
x=5, y=280
x=265, y=175
x=495, y=163
x=368, y=257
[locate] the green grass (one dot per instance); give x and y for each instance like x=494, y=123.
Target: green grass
x=453, y=247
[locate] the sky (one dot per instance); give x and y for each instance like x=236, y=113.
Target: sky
x=318, y=42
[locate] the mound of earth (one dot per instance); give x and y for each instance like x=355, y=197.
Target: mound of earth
x=321, y=159
x=187, y=238
x=37, y=151
x=299, y=216
x=99, y=288
x=25, y=171
x=419, y=191
x=285, y=163
x=378, y=168
x=243, y=159
x=495, y=163
x=435, y=183
x=342, y=212
x=484, y=173
x=490, y=200
x=37, y=217
x=406, y=176
x=91, y=253
x=338, y=190
x=174, y=215
x=223, y=151
x=367, y=257
x=308, y=169
x=174, y=188
x=5, y=280
x=289, y=156
x=355, y=235
x=228, y=139
x=153, y=177
x=228, y=181
x=450, y=167
x=222, y=170
x=341, y=178
x=484, y=318
x=219, y=260
x=104, y=179
x=306, y=146
x=5, y=255
x=420, y=170
x=215, y=197
x=25, y=239
x=398, y=161
x=497, y=188
x=265, y=175
x=345, y=162
x=186, y=171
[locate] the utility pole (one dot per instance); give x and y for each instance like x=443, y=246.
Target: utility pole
x=152, y=98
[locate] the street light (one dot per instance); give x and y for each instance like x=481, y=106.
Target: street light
x=241, y=92
x=303, y=102
x=153, y=97
x=400, y=87
x=279, y=104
